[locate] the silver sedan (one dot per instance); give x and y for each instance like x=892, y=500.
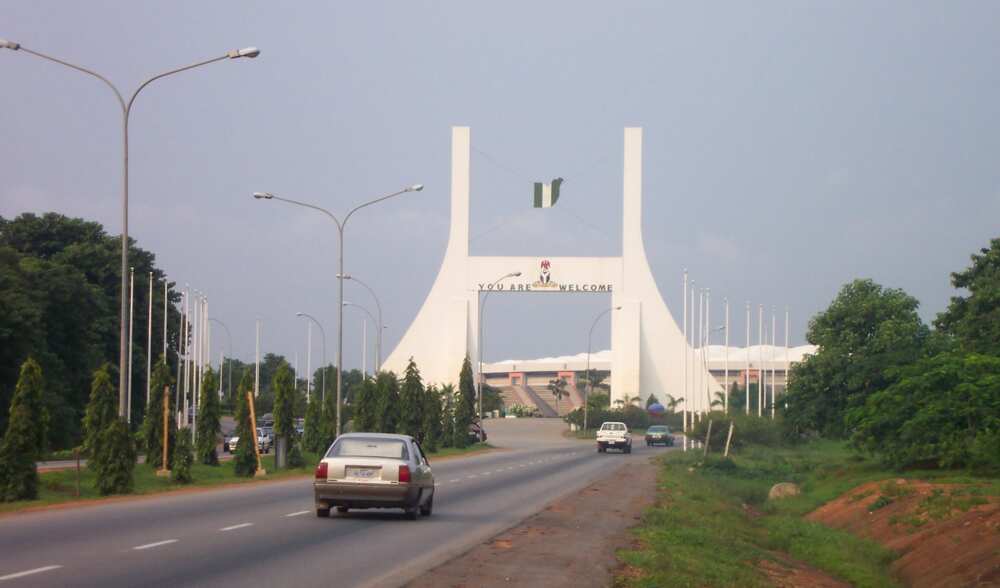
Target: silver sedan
x=374, y=470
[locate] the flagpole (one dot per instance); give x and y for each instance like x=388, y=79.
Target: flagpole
x=747, y=355
x=165, y=296
x=725, y=395
x=149, y=338
x=787, y=366
x=760, y=355
x=685, y=350
x=131, y=336
x=701, y=350
x=774, y=340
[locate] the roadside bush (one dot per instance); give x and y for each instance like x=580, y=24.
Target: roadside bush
x=747, y=430
x=209, y=416
x=244, y=456
x=114, y=458
x=102, y=408
x=152, y=424
x=295, y=458
x=180, y=469
x=25, y=438
x=313, y=437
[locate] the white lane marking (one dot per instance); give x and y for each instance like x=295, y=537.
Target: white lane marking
x=487, y=473
x=299, y=513
x=471, y=476
x=157, y=544
x=28, y=572
x=234, y=527
x=456, y=481
x=522, y=465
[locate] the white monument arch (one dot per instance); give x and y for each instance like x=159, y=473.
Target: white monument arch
x=648, y=349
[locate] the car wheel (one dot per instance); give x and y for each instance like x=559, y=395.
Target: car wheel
x=411, y=513
x=628, y=449
x=426, y=509
x=322, y=512
x=341, y=509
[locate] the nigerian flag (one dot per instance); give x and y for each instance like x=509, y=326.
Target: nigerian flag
x=547, y=194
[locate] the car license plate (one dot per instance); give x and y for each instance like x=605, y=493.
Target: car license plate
x=612, y=442
x=361, y=473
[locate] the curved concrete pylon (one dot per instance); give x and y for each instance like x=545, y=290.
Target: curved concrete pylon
x=648, y=348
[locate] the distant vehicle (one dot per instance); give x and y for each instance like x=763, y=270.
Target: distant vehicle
x=477, y=434
x=300, y=426
x=659, y=435
x=264, y=442
x=374, y=470
x=613, y=435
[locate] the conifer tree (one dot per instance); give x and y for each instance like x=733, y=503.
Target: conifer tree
x=330, y=418
x=366, y=407
x=114, y=458
x=387, y=414
x=284, y=402
x=24, y=440
x=465, y=407
x=432, y=419
x=313, y=437
x=152, y=424
x=448, y=416
x=209, y=420
x=411, y=400
x=180, y=468
x=244, y=455
x=101, y=409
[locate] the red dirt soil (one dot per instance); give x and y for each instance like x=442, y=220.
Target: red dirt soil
x=939, y=543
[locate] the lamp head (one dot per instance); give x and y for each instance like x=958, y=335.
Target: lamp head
x=5, y=44
x=415, y=188
x=343, y=276
x=249, y=52
x=298, y=314
x=516, y=275
x=264, y=195
x=618, y=308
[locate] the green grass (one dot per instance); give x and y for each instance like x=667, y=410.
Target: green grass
x=60, y=486
x=714, y=522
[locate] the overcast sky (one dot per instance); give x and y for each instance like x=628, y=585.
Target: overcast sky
x=789, y=147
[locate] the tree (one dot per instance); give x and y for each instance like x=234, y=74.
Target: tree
x=284, y=402
x=314, y=436
x=180, y=466
x=431, y=411
x=718, y=400
x=865, y=335
x=152, y=424
x=245, y=455
x=943, y=411
x=102, y=408
x=411, y=399
x=558, y=389
x=651, y=400
x=388, y=402
x=448, y=416
x=329, y=419
x=114, y=458
x=673, y=403
x=465, y=407
x=209, y=420
x=366, y=407
x=974, y=320
x=24, y=440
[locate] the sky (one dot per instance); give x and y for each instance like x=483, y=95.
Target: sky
x=789, y=148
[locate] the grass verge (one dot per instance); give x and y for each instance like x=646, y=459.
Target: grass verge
x=713, y=522
x=59, y=486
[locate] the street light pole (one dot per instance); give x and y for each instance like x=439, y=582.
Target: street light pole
x=126, y=108
x=479, y=343
x=590, y=380
x=371, y=316
x=340, y=272
x=323, y=333
x=378, y=307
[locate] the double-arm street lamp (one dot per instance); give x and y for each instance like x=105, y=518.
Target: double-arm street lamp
x=590, y=380
x=482, y=305
x=322, y=332
x=374, y=320
x=126, y=108
x=340, y=271
x=381, y=326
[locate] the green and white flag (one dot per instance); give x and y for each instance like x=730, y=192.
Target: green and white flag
x=547, y=194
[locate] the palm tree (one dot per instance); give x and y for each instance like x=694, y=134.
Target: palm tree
x=558, y=389
x=673, y=402
x=720, y=399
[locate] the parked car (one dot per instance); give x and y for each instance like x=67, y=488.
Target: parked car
x=374, y=470
x=614, y=435
x=477, y=434
x=659, y=435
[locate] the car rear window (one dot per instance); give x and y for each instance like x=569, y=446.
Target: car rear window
x=369, y=447
x=613, y=427
x=657, y=429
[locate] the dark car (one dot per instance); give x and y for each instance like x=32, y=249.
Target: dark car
x=659, y=435
x=477, y=434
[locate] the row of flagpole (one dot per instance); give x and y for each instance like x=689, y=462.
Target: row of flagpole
x=696, y=400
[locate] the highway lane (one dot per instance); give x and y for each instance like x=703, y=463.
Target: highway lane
x=268, y=534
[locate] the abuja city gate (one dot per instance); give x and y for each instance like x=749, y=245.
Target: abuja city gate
x=647, y=346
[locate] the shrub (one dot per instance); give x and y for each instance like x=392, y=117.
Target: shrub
x=747, y=430
x=25, y=438
x=152, y=425
x=209, y=415
x=101, y=409
x=180, y=469
x=313, y=437
x=295, y=458
x=244, y=456
x=114, y=458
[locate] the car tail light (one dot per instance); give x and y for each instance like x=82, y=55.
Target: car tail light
x=404, y=474
x=321, y=471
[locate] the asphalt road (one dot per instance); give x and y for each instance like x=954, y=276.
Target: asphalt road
x=268, y=534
